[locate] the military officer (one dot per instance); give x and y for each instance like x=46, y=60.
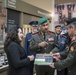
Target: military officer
x=61, y=37
x=34, y=27
x=44, y=41
x=70, y=61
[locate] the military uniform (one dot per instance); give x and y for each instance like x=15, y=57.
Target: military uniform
x=62, y=42
x=62, y=45
x=52, y=45
x=70, y=61
x=50, y=39
x=26, y=45
x=69, y=55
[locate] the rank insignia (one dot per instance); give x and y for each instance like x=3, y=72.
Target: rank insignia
x=62, y=42
x=72, y=48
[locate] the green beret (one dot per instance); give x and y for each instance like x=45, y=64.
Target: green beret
x=42, y=20
x=69, y=21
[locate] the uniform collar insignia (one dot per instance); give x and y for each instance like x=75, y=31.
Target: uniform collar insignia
x=49, y=32
x=39, y=33
x=60, y=36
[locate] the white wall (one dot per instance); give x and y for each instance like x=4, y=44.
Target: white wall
x=47, y=5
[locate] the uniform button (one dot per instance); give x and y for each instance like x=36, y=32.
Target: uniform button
x=69, y=71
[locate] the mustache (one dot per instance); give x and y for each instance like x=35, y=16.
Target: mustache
x=46, y=28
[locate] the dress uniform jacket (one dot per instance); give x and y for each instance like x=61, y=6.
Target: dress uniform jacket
x=26, y=47
x=51, y=39
x=62, y=42
x=27, y=42
x=70, y=61
x=17, y=59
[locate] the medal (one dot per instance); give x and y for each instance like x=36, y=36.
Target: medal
x=50, y=39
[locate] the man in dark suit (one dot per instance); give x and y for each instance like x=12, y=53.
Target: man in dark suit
x=44, y=42
x=34, y=27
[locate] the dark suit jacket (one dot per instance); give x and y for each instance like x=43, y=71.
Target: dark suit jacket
x=18, y=61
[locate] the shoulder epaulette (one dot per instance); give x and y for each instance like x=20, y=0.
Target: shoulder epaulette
x=35, y=33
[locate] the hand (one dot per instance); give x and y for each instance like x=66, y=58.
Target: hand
x=42, y=44
x=52, y=65
x=31, y=57
x=56, y=59
x=51, y=53
x=56, y=55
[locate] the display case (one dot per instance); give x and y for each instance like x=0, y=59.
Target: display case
x=3, y=33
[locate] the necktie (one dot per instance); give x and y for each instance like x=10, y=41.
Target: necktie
x=44, y=36
x=58, y=37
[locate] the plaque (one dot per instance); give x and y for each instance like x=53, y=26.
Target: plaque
x=43, y=59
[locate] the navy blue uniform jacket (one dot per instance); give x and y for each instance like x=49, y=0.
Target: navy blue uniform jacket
x=27, y=42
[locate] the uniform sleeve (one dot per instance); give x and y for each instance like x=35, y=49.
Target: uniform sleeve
x=56, y=47
x=70, y=60
x=15, y=57
x=34, y=47
x=64, y=54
